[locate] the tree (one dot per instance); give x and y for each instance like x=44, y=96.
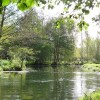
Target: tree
x=43, y=51
x=18, y=38
x=87, y=44
x=97, y=51
x=61, y=38
x=88, y=47
x=19, y=56
x=7, y=27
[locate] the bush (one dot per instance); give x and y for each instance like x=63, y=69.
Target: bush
x=16, y=64
x=8, y=65
x=4, y=62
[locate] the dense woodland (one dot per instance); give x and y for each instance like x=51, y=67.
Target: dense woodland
x=27, y=39
x=30, y=39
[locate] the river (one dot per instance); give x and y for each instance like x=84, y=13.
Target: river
x=61, y=83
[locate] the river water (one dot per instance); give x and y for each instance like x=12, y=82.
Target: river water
x=61, y=83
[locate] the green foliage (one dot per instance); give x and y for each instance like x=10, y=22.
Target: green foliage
x=43, y=52
x=1, y=69
x=62, y=40
x=93, y=96
x=5, y=2
x=48, y=42
x=77, y=6
x=4, y=62
x=85, y=11
x=58, y=24
x=16, y=64
x=91, y=49
x=19, y=56
x=83, y=25
x=5, y=65
x=50, y=6
x=91, y=67
x=20, y=52
x=24, y=5
x=89, y=3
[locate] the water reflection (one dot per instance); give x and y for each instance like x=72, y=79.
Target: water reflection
x=57, y=92
x=10, y=85
x=59, y=83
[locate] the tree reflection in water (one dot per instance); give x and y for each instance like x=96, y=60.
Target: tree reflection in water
x=59, y=83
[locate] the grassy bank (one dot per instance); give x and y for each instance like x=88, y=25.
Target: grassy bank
x=91, y=67
x=93, y=96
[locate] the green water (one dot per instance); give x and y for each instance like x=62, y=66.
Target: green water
x=62, y=83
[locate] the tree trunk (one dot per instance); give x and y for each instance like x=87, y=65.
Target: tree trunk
x=2, y=21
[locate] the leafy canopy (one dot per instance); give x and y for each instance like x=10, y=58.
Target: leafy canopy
x=26, y=4
x=21, y=4
x=83, y=6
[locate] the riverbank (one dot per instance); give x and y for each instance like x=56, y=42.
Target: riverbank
x=91, y=67
x=92, y=96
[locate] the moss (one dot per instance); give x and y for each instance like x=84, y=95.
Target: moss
x=93, y=96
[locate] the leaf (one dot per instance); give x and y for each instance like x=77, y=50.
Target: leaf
x=50, y=6
x=30, y=3
x=5, y=2
x=83, y=25
x=70, y=16
x=58, y=24
x=86, y=26
x=85, y=11
x=1, y=10
x=65, y=9
x=22, y=6
x=78, y=6
x=14, y=1
x=93, y=18
x=43, y=1
x=89, y=3
x=80, y=26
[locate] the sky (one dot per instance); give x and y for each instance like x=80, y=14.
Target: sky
x=51, y=13
x=92, y=29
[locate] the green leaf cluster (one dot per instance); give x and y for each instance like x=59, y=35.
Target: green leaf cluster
x=83, y=25
x=5, y=2
x=25, y=4
x=85, y=11
x=21, y=4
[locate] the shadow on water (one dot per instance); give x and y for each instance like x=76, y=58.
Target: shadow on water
x=48, y=83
